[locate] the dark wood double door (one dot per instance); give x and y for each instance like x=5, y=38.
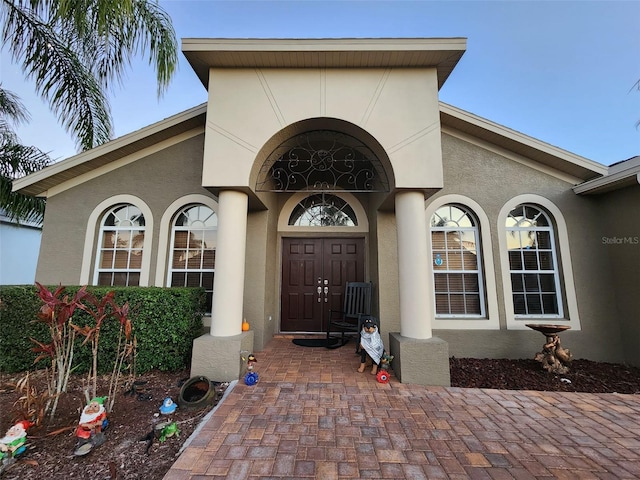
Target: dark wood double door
x=314, y=274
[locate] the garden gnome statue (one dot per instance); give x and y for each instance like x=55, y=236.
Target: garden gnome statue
x=13, y=443
x=372, y=346
x=251, y=377
x=93, y=421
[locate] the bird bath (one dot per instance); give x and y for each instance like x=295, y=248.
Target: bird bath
x=554, y=357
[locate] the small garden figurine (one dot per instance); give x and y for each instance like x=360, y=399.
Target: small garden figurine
x=168, y=406
x=251, y=377
x=385, y=363
x=13, y=443
x=168, y=430
x=372, y=346
x=251, y=361
x=93, y=421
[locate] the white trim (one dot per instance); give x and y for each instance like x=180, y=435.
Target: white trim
x=290, y=204
x=563, y=252
x=479, y=268
x=93, y=226
x=492, y=320
x=162, y=272
x=624, y=171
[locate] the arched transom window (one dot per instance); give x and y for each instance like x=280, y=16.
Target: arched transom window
x=119, y=259
x=457, y=268
x=532, y=263
x=323, y=210
x=193, y=249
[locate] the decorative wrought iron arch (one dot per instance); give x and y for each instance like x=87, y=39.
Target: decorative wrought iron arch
x=322, y=161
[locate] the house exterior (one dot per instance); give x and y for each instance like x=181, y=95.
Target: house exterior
x=19, y=246
x=316, y=162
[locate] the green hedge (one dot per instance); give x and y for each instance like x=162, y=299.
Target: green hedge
x=165, y=323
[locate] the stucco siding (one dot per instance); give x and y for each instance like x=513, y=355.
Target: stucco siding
x=158, y=180
x=260, y=270
x=492, y=180
x=620, y=244
x=248, y=107
x=388, y=290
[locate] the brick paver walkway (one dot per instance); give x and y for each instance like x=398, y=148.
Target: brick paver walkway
x=311, y=415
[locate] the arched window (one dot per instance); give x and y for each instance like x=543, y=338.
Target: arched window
x=457, y=266
x=119, y=259
x=323, y=210
x=193, y=249
x=533, y=264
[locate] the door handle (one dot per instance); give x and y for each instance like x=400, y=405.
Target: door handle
x=326, y=292
x=319, y=294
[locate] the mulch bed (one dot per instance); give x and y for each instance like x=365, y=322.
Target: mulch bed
x=583, y=376
x=125, y=455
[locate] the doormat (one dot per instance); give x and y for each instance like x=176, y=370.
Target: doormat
x=317, y=342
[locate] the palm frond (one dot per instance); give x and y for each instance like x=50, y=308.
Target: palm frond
x=17, y=160
x=11, y=107
x=125, y=29
x=18, y=206
x=60, y=76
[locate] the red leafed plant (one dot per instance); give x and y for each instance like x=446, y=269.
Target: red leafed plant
x=101, y=310
x=56, y=312
x=126, y=348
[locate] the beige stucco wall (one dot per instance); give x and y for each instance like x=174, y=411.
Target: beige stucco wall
x=388, y=290
x=262, y=272
x=620, y=244
x=491, y=180
x=249, y=107
x=157, y=179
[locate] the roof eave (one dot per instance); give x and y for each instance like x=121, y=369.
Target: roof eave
x=440, y=53
x=37, y=184
x=574, y=165
x=621, y=175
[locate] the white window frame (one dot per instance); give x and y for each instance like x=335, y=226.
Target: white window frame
x=129, y=249
x=491, y=320
x=164, y=237
x=350, y=199
x=477, y=271
x=90, y=252
x=571, y=316
x=171, y=270
x=554, y=263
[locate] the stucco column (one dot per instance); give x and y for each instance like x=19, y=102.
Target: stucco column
x=416, y=285
x=228, y=286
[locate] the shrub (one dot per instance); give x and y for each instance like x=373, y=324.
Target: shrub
x=165, y=323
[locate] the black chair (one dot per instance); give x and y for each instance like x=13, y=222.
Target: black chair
x=357, y=302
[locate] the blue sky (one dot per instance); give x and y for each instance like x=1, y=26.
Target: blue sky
x=560, y=71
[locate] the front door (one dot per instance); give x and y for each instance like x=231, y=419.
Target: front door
x=314, y=274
